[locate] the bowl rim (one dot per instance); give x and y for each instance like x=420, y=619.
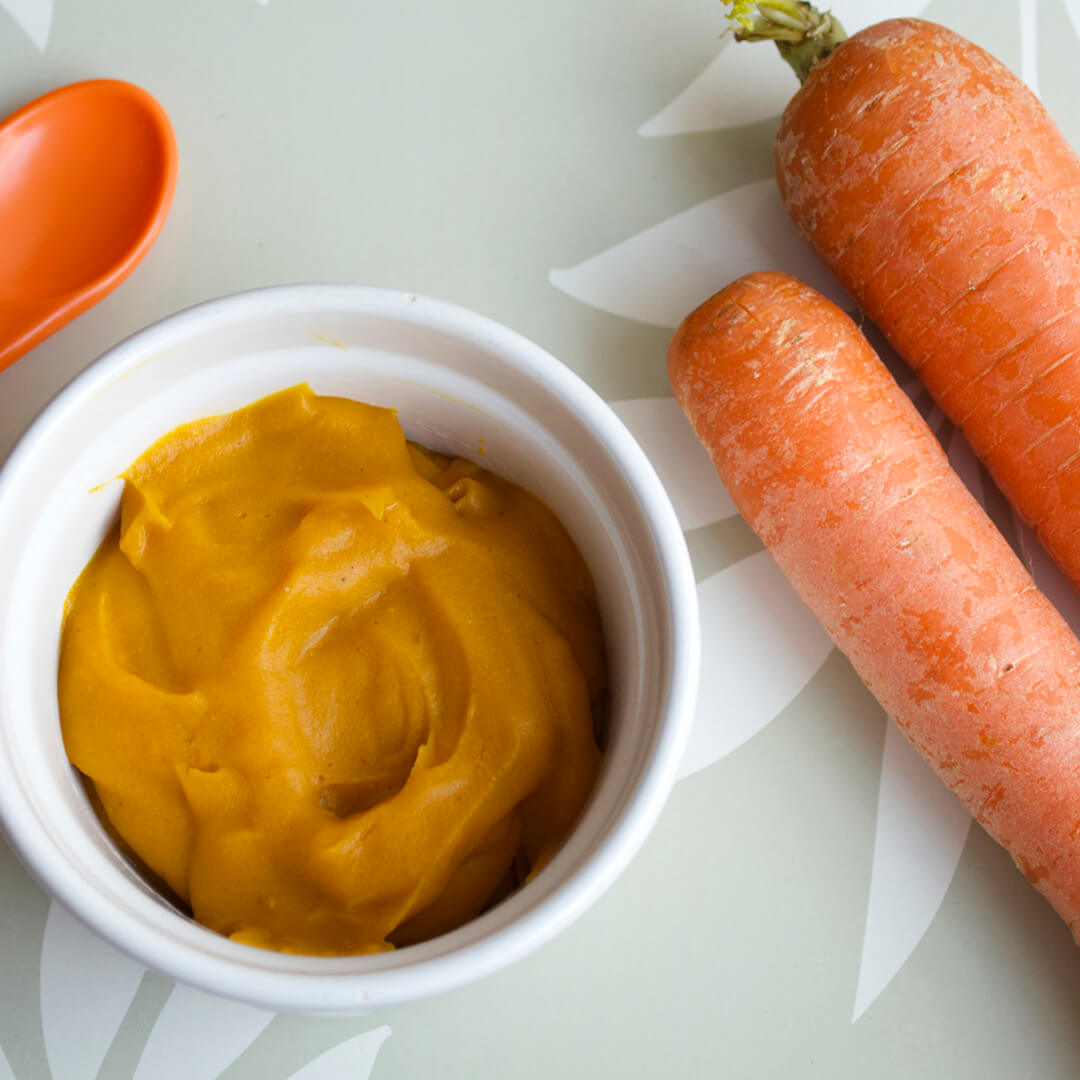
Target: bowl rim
x=348, y=992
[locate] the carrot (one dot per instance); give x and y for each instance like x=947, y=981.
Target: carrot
x=940, y=192
x=834, y=468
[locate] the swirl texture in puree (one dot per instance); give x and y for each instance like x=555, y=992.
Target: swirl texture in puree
x=335, y=691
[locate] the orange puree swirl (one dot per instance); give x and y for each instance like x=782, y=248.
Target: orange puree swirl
x=336, y=691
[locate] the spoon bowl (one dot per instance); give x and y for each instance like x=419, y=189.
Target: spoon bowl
x=87, y=174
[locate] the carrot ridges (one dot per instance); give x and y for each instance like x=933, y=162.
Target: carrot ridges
x=834, y=468
x=961, y=243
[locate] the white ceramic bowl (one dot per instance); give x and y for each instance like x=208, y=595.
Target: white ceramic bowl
x=461, y=383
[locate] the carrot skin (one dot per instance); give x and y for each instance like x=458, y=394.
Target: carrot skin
x=834, y=468
x=941, y=193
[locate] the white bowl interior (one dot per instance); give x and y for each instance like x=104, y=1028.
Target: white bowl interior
x=461, y=385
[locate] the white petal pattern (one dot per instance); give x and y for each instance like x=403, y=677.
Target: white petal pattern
x=683, y=464
x=198, y=1035
x=86, y=990
x=741, y=86
x=763, y=647
x=1073, y=8
x=354, y=1058
x=735, y=89
x=6, y=1071
x=661, y=274
x=919, y=836
x=33, y=16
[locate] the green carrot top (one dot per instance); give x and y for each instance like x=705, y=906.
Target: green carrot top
x=803, y=34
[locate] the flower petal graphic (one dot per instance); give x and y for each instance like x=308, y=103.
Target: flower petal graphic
x=762, y=646
x=682, y=463
x=1073, y=8
x=664, y=272
x=920, y=833
x=354, y=1058
x=741, y=86
x=735, y=89
x=87, y=987
x=6, y=1071
x=34, y=18
x=198, y=1035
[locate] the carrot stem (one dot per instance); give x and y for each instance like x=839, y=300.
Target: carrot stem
x=803, y=34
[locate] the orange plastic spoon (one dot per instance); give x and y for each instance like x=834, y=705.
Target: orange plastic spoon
x=87, y=174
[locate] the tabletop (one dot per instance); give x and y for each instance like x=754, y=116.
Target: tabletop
x=811, y=902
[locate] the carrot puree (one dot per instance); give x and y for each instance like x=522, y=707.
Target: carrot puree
x=336, y=691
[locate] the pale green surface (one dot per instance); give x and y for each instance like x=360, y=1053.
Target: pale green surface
x=462, y=151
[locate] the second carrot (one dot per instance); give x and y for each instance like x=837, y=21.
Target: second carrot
x=834, y=468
